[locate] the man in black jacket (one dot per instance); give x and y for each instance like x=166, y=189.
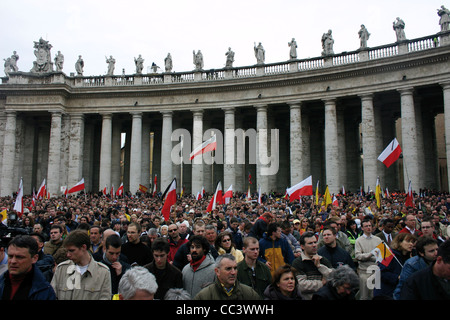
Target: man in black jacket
x=112, y=258
x=433, y=282
x=335, y=254
x=167, y=276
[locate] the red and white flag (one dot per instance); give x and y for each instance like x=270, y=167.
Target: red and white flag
x=208, y=145
x=228, y=195
x=18, y=205
x=171, y=199
x=119, y=191
x=112, y=191
x=104, y=191
x=409, y=197
x=303, y=188
x=41, y=191
x=391, y=153
x=78, y=187
x=155, y=183
x=335, y=201
x=216, y=199
x=33, y=199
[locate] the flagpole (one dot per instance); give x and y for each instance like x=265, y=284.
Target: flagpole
x=386, y=246
x=181, y=158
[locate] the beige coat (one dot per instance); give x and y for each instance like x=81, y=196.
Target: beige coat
x=94, y=284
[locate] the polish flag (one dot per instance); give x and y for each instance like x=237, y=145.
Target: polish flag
x=216, y=199
x=78, y=187
x=18, y=205
x=208, y=145
x=335, y=201
x=41, y=191
x=171, y=199
x=391, y=153
x=228, y=195
x=112, y=191
x=104, y=191
x=409, y=197
x=154, y=185
x=119, y=191
x=303, y=188
x=33, y=199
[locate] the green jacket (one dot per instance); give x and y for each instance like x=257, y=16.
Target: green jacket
x=262, y=274
x=215, y=291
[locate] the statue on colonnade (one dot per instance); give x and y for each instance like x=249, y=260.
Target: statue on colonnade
x=293, y=50
x=327, y=43
x=230, y=58
x=139, y=62
x=168, y=63
x=43, y=61
x=363, y=36
x=59, y=61
x=111, y=65
x=198, y=60
x=444, y=21
x=79, y=65
x=399, y=27
x=260, y=53
x=11, y=63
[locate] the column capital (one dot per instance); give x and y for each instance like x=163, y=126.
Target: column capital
x=136, y=114
x=261, y=107
x=295, y=104
x=78, y=116
x=197, y=113
x=406, y=91
x=328, y=101
x=229, y=110
x=445, y=85
x=166, y=113
x=366, y=96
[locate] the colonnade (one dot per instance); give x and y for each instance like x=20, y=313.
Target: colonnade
x=336, y=140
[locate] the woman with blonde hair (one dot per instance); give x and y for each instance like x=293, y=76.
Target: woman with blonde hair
x=225, y=244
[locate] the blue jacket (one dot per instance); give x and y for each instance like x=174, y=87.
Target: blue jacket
x=40, y=288
x=411, y=266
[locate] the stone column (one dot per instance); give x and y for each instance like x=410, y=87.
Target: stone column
x=166, y=149
x=296, y=144
x=9, y=154
x=332, y=168
x=261, y=147
x=54, y=155
x=197, y=162
x=116, y=148
x=105, y=152
x=145, y=172
x=409, y=140
x=136, y=152
x=229, y=166
x=76, y=149
x=446, y=92
x=369, y=139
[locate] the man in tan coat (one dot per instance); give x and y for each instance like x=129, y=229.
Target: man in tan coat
x=81, y=277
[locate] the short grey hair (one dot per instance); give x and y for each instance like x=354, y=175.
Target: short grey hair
x=177, y=294
x=224, y=256
x=137, y=278
x=344, y=275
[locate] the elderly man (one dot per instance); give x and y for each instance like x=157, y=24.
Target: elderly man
x=226, y=285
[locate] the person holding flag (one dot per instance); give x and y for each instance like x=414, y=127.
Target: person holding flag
x=391, y=261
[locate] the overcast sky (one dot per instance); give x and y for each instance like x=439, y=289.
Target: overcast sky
x=154, y=28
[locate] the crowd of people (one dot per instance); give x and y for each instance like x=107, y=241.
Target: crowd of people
x=96, y=247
